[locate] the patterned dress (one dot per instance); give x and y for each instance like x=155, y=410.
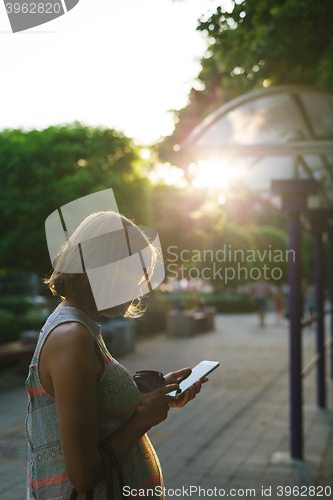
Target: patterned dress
x=117, y=400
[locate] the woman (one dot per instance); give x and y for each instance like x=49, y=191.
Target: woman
x=79, y=395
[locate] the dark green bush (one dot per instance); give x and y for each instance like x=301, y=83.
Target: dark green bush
x=16, y=304
x=236, y=307
x=234, y=303
x=10, y=329
x=19, y=283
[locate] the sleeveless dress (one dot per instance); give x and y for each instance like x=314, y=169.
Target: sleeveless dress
x=117, y=398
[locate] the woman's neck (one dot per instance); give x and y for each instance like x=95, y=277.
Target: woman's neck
x=70, y=302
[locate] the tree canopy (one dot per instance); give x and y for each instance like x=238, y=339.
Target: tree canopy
x=43, y=170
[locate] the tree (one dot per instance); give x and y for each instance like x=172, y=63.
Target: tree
x=175, y=218
x=43, y=170
x=260, y=43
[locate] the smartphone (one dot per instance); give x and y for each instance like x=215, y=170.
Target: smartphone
x=198, y=372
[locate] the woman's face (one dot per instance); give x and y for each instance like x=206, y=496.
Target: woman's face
x=120, y=310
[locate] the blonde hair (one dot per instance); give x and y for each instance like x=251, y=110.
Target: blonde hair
x=67, y=278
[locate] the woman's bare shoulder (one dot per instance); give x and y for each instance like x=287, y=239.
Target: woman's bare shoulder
x=71, y=332
x=71, y=339
x=70, y=347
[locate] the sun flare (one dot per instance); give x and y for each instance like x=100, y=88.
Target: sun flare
x=216, y=174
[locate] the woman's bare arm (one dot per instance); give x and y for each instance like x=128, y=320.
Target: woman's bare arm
x=69, y=354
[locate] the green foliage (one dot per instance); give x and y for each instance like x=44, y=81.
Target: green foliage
x=276, y=40
x=10, y=328
x=237, y=303
x=43, y=170
x=267, y=245
x=227, y=254
x=172, y=212
x=271, y=246
x=19, y=283
x=234, y=303
x=17, y=313
x=17, y=305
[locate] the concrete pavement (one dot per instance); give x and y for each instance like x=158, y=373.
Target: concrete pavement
x=233, y=438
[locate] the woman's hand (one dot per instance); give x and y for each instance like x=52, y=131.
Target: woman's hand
x=154, y=406
x=190, y=393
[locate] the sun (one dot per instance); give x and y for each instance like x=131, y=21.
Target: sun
x=216, y=174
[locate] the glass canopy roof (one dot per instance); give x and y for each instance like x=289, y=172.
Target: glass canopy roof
x=280, y=132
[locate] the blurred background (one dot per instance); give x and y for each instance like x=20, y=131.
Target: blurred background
x=110, y=104
x=236, y=47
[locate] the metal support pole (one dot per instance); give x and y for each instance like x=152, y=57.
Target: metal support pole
x=330, y=235
x=295, y=313
x=319, y=309
x=294, y=194
x=322, y=221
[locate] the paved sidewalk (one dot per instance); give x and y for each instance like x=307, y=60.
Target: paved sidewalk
x=234, y=436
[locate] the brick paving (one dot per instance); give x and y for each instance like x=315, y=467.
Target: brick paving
x=234, y=436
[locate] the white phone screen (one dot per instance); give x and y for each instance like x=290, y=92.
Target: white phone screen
x=198, y=372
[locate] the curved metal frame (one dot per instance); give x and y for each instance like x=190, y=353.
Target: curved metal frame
x=252, y=96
